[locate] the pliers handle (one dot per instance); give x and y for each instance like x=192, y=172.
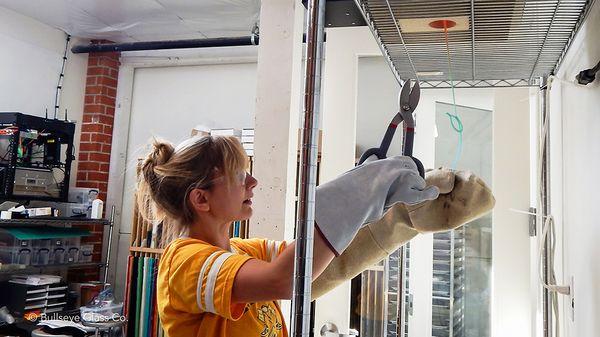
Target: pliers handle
x=408, y=100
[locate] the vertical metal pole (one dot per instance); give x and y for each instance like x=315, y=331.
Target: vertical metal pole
x=545, y=202
x=402, y=296
x=451, y=294
x=308, y=170
x=110, y=234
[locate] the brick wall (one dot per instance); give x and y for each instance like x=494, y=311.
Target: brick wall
x=96, y=137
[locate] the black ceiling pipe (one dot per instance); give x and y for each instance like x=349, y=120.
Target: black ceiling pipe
x=251, y=40
x=170, y=44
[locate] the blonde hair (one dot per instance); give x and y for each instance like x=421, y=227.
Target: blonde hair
x=168, y=174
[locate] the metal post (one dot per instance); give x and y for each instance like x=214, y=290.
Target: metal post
x=308, y=170
x=110, y=234
x=400, y=331
x=545, y=202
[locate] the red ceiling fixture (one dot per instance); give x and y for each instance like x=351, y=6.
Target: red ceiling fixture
x=442, y=24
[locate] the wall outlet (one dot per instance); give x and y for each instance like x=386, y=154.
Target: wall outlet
x=572, y=300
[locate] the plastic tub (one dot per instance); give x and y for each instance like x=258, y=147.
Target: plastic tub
x=14, y=250
x=73, y=246
x=59, y=255
x=106, y=313
x=41, y=251
x=85, y=253
x=16, y=255
x=58, y=251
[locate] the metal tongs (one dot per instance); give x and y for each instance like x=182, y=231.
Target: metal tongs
x=408, y=100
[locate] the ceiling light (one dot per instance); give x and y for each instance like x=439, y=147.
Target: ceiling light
x=422, y=25
x=430, y=73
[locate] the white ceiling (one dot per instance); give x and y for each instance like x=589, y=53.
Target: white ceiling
x=143, y=20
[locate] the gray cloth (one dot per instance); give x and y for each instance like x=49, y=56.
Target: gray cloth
x=362, y=194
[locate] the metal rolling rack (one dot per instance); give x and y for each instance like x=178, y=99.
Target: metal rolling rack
x=407, y=299
x=448, y=284
x=384, y=295
x=394, y=292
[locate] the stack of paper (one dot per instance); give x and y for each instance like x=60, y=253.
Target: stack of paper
x=35, y=280
x=248, y=141
x=57, y=323
x=226, y=132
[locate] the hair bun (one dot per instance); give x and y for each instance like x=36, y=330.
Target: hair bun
x=162, y=151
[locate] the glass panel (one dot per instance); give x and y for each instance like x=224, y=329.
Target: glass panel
x=462, y=259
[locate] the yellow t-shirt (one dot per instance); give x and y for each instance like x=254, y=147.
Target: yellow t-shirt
x=195, y=281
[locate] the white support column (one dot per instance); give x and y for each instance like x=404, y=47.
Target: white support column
x=276, y=118
x=511, y=289
x=342, y=49
x=116, y=182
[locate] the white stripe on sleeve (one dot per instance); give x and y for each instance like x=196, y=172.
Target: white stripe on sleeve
x=272, y=251
x=277, y=248
x=207, y=263
x=211, y=280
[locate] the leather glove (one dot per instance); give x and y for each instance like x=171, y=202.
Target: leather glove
x=362, y=194
x=464, y=197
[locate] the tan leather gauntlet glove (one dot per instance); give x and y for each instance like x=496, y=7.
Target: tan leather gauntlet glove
x=463, y=198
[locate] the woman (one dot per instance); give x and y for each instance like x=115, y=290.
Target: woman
x=211, y=285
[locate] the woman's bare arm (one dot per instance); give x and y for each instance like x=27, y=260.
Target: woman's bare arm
x=258, y=280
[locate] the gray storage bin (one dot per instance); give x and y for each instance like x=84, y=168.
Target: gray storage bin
x=85, y=253
x=58, y=254
x=73, y=246
x=41, y=252
x=40, y=245
x=14, y=250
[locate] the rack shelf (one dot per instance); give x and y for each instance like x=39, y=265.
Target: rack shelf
x=146, y=250
x=51, y=221
x=29, y=269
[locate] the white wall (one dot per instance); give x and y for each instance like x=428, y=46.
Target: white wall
x=511, y=311
x=167, y=102
x=30, y=63
x=575, y=157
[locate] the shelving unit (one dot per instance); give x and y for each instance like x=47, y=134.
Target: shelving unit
x=50, y=268
x=60, y=222
x=448, y=284
x=51, y=298
x=48, y=299
x=55, y=221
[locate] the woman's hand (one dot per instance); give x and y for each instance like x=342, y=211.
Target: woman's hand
x=345, y=204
